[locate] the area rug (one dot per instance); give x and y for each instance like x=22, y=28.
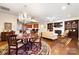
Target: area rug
x=45, y=50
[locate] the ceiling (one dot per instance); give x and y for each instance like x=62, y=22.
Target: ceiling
x=43, y=12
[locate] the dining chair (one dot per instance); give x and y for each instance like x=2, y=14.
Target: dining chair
x=13, y=44
x=37, y=39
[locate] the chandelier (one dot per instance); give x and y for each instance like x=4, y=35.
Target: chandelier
x=24, y=17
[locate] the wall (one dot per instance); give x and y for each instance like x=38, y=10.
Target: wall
x=4, y=17
x=42, y=27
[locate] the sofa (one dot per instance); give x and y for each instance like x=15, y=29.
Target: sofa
x=49, y=35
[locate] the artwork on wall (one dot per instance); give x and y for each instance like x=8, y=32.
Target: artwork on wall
x=7, y=26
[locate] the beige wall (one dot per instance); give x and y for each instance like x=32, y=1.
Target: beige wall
x=4, y=17
x=42, y=27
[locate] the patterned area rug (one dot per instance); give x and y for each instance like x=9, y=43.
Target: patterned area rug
x=45, y=50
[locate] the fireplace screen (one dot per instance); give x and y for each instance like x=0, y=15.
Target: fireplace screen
x=58, y=32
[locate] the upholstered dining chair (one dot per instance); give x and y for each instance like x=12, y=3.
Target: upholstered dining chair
x=65, y=33
x=13, y=44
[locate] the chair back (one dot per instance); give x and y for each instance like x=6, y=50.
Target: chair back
x=12, y=41
x=38, y=37
x=65, y=34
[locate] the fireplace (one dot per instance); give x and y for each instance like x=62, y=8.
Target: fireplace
x=58, y=32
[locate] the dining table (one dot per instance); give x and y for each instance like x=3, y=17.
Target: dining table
x=27, y=40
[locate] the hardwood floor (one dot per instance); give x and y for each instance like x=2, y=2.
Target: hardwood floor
x=61, y=49
x=2, y=43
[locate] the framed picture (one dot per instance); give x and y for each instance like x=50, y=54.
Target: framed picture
x=8, y=26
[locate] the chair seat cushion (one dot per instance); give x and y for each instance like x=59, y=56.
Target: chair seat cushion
x=19, y=45
x=19, y=41
x=37, y=40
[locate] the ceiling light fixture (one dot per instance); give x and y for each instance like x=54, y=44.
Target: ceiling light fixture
x=24, y=17
x=65, y=7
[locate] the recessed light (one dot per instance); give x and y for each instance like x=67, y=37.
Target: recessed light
x=64, y=7
x=68, y=3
